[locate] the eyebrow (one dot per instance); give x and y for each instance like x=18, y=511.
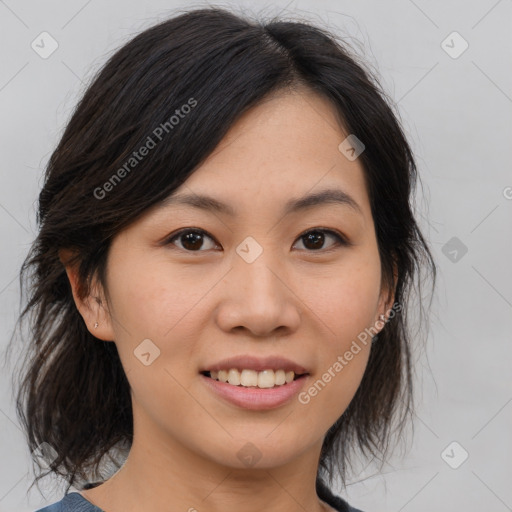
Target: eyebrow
x=323, y=197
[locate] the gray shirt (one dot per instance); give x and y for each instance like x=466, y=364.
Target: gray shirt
x=75, y=502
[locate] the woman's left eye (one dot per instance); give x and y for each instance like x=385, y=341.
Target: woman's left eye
x=314, y=239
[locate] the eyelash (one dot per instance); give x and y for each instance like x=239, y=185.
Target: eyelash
x=341, y=240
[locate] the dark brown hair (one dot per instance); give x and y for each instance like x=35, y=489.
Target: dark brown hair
x=73, y=394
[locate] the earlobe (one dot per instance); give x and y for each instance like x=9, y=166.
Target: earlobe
x=97, y=319
x=385, y=309
x=93, y=307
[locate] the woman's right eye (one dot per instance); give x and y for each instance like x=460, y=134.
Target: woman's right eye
x=191, y=240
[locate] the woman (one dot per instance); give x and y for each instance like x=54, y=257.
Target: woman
x=225, y=254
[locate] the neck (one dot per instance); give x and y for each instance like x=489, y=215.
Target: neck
x=161, y=474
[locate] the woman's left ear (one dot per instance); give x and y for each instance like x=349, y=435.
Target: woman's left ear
x=386, y=300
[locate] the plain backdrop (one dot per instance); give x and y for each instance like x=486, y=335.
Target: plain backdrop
x=446, y=64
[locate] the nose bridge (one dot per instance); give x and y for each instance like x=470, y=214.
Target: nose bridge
x=256, y=297
x=253, y=270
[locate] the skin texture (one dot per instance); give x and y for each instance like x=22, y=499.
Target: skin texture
x=199, y=307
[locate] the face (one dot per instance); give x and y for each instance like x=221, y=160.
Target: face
x=263, y=276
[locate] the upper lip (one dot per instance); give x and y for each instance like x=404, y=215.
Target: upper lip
x=248, y=362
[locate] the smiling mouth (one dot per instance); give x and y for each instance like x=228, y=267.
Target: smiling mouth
x=252, y=379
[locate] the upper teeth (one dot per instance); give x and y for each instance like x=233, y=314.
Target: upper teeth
x=247, y=378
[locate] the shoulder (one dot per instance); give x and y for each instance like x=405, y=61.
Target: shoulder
x=335, y=502
x=343, y=506
x=72, y=502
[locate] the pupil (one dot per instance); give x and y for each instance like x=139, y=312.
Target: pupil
x=316, y=238
x=192, y=240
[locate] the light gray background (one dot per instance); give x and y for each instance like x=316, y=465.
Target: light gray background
x=457, y=114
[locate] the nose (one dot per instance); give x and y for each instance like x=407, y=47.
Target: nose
x=258, y=298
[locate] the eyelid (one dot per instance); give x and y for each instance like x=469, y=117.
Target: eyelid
x=176, y=234
x=341, y=238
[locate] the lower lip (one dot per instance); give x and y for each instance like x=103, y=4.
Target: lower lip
x=256, y=399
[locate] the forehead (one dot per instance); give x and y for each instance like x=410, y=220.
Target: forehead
x=286, y=146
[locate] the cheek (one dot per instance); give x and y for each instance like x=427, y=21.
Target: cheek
x=151, y=303
x=153, y=300
x=346, y=304
x=346, y=301
x=171, y=307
